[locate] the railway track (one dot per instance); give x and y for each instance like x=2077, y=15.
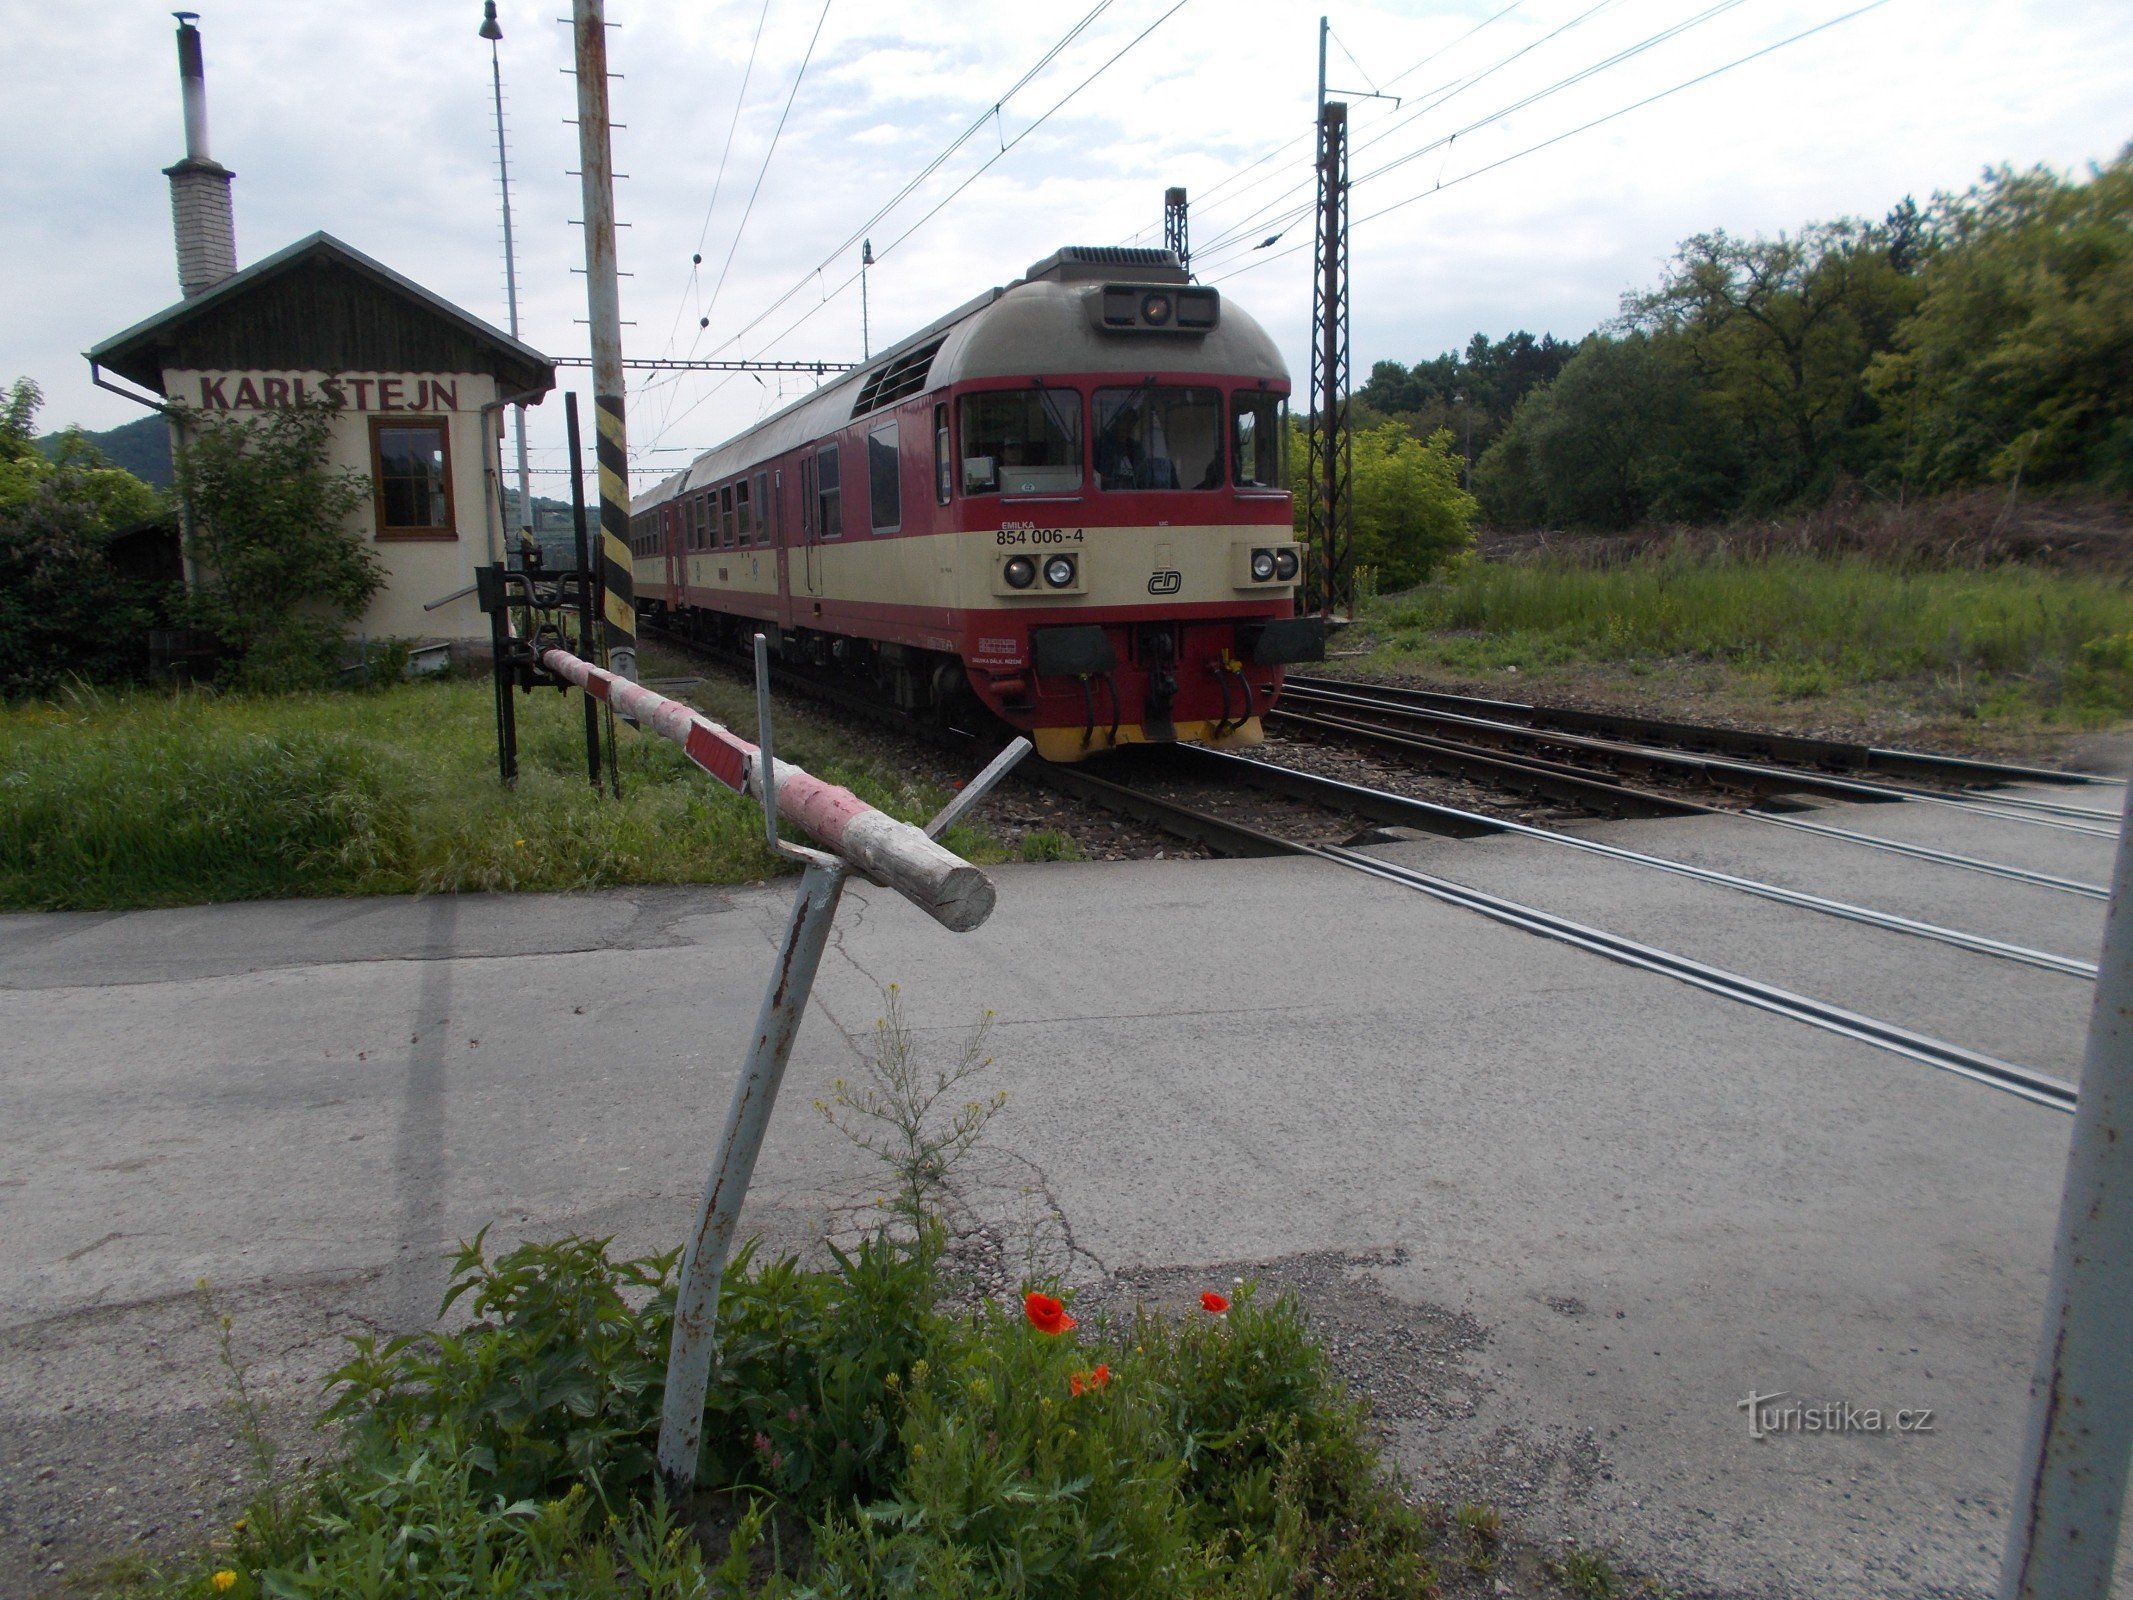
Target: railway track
x=1506, y=749
x=1229, y=836
x=1601, y=793
x=1754, y=744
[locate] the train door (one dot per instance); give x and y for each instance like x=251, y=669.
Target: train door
x=810, y=527
x=677, y=562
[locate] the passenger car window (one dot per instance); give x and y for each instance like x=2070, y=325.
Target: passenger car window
x=828, y=514
x=1158, y=438
x=885, y=498
x=1022, y=441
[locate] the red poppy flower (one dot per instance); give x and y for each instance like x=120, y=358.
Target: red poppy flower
x=1081, y=1382
x=1213, y=1304
x=1045, y=1314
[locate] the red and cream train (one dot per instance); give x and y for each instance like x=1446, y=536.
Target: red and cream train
x=1066, y=498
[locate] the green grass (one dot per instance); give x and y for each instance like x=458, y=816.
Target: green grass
x=2006, y=642
x=112, y=801
x=861, y=1440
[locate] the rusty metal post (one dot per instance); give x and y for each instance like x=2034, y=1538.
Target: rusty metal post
x=703, y=1263
x=2062, y=1537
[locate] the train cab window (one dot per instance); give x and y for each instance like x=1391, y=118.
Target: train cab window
x=1258, y=440
x=943, y=460
x=725, y=517
x=743, y=513
x=828, y=514
x=1022, y=441
x=703, y=522
x=765, y=522
x=1158, y=438
x=885, y=492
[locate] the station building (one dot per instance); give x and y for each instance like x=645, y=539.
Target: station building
x=422, y=385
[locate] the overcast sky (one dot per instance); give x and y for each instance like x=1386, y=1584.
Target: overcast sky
x=373, y=122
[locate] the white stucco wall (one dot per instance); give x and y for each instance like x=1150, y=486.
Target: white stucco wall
x=420, y=569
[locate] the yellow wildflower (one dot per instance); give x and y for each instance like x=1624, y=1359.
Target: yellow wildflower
x=224, y=1580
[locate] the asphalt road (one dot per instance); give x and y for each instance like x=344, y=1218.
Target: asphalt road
x=1561, y=1216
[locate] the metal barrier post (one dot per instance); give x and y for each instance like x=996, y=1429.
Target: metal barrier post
x=703, y=1262
x=2062, y=1537
x=792, y=980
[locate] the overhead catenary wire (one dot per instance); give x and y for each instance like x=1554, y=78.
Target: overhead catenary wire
x=883, y=250
x=717, y=185
x=1401, y=117
x=1262, y=218
x=1446, y=141
x=1583, y=127
x=775, y=134
x=1206, y=197
x=990, y=113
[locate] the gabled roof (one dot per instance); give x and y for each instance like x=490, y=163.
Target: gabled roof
x=321, y=305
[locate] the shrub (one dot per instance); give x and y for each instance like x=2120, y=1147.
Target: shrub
x=278, y=574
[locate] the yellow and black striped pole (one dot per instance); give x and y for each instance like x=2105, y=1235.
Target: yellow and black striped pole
x=618, y=581
x=603, y=293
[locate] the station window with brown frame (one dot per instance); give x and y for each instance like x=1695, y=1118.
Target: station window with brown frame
x=411, y=477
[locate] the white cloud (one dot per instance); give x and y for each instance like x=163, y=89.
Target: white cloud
x=373, y=123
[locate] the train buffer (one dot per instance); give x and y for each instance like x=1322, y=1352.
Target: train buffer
x=853, y=837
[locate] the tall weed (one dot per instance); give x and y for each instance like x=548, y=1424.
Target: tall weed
x=1793, y=619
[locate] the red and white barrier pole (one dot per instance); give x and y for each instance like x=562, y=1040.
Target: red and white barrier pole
x=943, y=885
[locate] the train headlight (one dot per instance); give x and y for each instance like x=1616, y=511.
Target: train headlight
x=1286, y=565
x=1060, y=572
x=1262, y=566
x=1019, y=572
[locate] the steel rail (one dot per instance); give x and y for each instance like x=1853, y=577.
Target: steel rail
x=1527, y=774
x=1714, y=769
x=1923, y=852
x=1571, y=783
x=1793, y=746
x=2025, y=1082
x=1311, y=785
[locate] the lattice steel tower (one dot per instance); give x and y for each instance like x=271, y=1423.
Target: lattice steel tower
x=1327, y=498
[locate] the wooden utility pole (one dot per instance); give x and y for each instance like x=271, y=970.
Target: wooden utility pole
x=603, y=295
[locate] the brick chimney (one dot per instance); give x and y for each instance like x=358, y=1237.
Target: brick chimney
x=199, y=185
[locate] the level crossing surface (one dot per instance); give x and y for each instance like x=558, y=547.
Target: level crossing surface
x=1647, y=1202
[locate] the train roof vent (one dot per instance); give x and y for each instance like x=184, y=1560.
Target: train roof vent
x=897, y=379
x=1083, y=261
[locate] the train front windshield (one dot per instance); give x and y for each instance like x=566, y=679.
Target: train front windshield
x=1159, y=438
x=1022, y=441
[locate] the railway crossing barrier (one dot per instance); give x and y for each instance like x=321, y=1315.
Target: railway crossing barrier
x=854, y=837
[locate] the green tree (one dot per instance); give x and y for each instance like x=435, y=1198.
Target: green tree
x=64, y=610
x=1409, y=515
x=279, y=576
x=2016, y=360
x=1779, y=333
x=1624, y=434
